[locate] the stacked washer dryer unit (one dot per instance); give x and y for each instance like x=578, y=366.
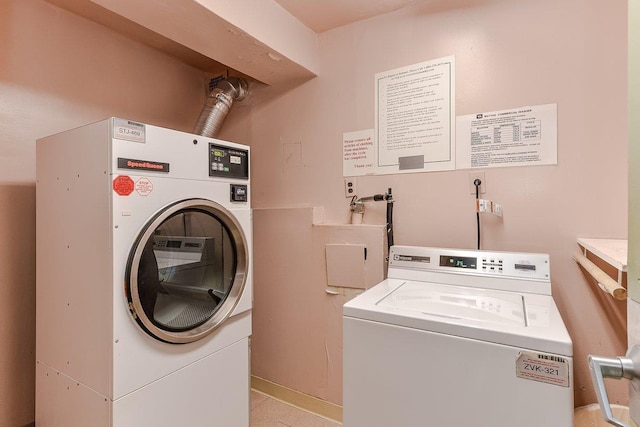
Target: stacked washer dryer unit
x=458, y=338
x=144, y=287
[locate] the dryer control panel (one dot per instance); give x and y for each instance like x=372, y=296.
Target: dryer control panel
x=228, y=162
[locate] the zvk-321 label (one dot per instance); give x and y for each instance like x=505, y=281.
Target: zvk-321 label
x=543, y=367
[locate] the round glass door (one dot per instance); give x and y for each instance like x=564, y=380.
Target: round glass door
x=186, y=271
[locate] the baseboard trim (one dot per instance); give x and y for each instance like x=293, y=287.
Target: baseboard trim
x=303, y=401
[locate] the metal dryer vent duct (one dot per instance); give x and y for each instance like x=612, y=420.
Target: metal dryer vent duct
x=218, y=104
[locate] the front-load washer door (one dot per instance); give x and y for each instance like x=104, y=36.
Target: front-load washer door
x=186, y=271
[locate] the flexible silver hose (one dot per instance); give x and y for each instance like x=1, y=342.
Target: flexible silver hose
x=218, y=104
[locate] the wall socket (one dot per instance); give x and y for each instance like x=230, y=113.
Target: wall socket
x=350, y=187
x=472, y=177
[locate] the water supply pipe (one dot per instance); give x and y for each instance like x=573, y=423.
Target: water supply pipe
x=357, y=211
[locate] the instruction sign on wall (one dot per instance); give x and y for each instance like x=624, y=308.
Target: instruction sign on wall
x=358, y=153
x=414, y=122
x=518, y=137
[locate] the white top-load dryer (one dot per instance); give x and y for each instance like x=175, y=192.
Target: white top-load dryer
x=458, y=338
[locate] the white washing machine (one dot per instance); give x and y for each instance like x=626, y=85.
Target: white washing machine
x=144, y=286
x=458, y=338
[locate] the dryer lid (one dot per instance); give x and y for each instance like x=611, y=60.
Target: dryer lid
x=529, y=321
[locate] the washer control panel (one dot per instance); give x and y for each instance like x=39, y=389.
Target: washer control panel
x=458, y=261
x=492, y=263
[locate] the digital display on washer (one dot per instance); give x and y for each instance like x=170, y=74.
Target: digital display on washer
x=458, y=261
x=526, y=267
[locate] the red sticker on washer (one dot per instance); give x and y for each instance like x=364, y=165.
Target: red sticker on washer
x=123, y=185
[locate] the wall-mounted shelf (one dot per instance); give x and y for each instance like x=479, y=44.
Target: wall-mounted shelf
x=614, y=253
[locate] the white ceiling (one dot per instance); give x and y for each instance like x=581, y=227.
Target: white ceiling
x=324, y=15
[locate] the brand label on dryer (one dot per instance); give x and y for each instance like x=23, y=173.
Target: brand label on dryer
x=147, y=165
x=543, y=367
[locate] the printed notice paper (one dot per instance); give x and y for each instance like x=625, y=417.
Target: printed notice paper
x=519, y=137
x=414, y=123
x=358, y=153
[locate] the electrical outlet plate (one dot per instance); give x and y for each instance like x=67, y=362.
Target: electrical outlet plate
x=473, y=175
x=349, y=187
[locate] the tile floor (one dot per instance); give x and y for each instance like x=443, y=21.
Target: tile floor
x=269, y=412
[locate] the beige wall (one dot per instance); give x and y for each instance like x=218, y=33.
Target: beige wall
x=508, y=54
x=17, y=303
x=58, y=71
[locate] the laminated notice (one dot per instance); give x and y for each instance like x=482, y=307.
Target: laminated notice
x=543, y=367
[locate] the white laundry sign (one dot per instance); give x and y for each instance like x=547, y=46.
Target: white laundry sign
x=414, y=121
x=358, y=153
x=522, y=136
